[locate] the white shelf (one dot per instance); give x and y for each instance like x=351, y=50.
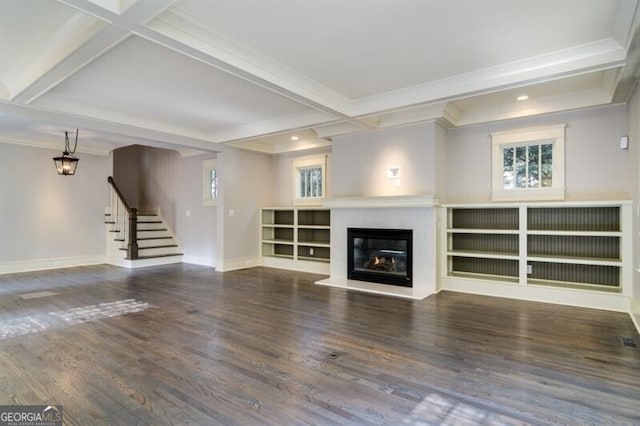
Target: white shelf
x=577, y=233
x=283, y=242
x=483, y=255
x=313, y=259
x=295, y=234
x=574, y=254
x=313, y=244
x=485, y=277
x=483, y=231
x=576, y=260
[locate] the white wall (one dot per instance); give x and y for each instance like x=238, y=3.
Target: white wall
x=595, y=167
x=361, y=160
x=48, y=220
x=196, y=233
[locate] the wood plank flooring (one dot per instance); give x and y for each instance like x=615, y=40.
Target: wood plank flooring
x=183, y=344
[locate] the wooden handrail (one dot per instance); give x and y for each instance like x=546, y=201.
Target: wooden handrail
x=119, y=194
x=132, y=240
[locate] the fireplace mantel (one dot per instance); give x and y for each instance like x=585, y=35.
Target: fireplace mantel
x=393, y=201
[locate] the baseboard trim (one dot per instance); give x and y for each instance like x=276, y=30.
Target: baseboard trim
x=544, y=294
x=240, y=263
x=53, y=263
x=202, y=261
x=143, y=263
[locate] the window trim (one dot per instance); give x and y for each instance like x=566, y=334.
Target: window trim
x=296, y=165
x=207, y=167
x=555, y=134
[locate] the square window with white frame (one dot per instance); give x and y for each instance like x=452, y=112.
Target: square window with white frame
x=528, y=164
x=309, y=181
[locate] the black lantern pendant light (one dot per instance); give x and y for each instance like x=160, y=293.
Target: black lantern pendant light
x=66, y=164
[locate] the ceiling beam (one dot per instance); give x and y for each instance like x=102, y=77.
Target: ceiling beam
x=71, y=121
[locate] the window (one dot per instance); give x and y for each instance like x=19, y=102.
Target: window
x=309, y=181
x=210, y=186
x=528, y=164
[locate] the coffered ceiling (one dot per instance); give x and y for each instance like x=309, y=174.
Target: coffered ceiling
x=193, y=74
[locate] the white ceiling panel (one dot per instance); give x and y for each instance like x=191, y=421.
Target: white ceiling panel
x=366, y=47
x=195, y=73
x=35, y=35
x=143, y=82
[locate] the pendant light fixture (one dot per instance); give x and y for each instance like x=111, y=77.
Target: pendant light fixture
x=66, y=164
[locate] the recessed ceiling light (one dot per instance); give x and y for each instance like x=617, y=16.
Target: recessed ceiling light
x=294, y=138
x=522, y=98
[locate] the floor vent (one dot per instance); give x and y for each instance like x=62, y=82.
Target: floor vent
x=629, y=342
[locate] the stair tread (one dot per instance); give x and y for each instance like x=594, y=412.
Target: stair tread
x=153, y=238
x=149, y=230
x=158, y=255
x=109, y=223
x=149, y=221
x=154, y=247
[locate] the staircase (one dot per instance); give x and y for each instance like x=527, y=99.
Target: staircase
x=156, y=243
x=150, y=241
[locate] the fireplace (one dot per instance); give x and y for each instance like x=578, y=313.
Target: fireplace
x=380, y=255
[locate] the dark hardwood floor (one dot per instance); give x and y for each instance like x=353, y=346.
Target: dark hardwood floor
x=182, y=344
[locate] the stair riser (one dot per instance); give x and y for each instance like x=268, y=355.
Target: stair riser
x=156, y=242
x=157, y=251
x=153, y=234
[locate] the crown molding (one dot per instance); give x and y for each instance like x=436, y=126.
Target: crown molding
x=56, y=145
x=287, y=123
x=567, y=102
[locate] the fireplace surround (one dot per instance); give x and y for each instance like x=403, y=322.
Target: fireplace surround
x=417, y=213
x=380, y=255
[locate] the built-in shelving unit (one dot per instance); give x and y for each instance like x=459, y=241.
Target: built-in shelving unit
x=576, y=246
x=296, y=238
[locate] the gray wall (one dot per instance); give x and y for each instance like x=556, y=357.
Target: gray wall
x=157, y=177
x=361, y=160
x=246, y=183
x=595, y=166
x=125, y=173
x=196, y=233
x=146, y=176
x=46, y=216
